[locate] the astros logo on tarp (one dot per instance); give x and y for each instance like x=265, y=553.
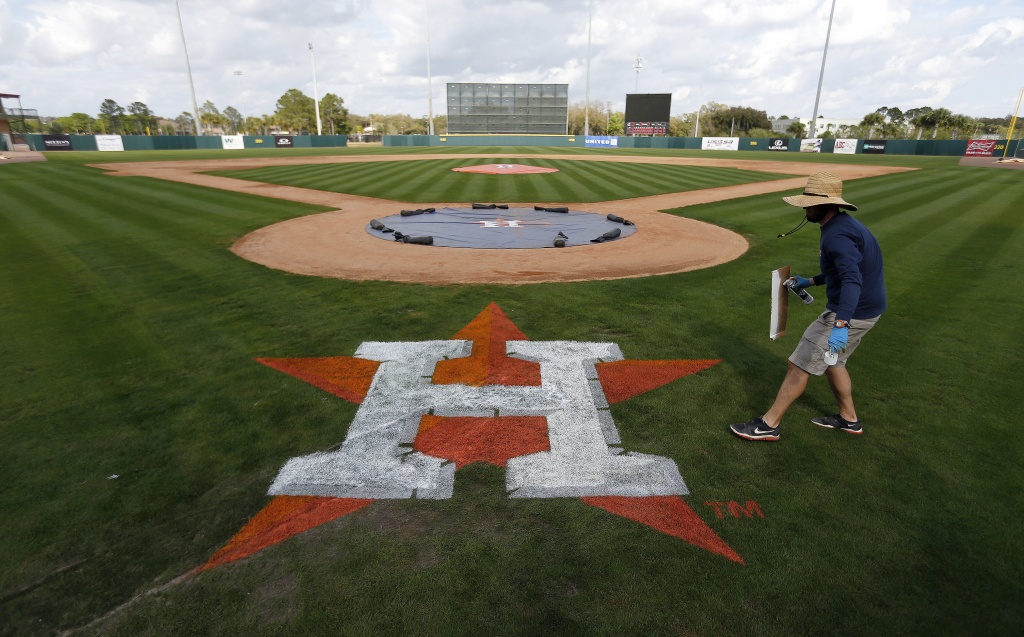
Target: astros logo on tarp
x=537, y=408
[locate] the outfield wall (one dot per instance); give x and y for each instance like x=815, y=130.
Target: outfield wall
x=180, y=142
x=929, y=147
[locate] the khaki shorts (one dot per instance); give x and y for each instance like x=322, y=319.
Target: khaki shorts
x=809, y=354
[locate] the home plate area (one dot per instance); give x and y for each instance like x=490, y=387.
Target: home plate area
x=500, y=226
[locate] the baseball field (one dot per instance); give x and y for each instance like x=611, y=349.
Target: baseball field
x=156, y=381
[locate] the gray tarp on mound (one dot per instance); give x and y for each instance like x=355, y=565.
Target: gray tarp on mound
x=497, y=228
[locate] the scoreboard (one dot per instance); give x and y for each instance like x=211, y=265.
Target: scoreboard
x=648, y=113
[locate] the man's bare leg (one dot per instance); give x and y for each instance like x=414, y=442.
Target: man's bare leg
x=793, y=385
x=842, y=386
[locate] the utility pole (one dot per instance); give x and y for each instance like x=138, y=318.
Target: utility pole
x=821, y=76
x=316, y=95
x=188, y=65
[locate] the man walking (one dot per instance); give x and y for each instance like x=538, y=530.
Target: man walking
x=851, y=270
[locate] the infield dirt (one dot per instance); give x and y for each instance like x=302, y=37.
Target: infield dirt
x=335, y=244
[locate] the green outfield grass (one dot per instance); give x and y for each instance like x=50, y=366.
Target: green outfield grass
x=432, y=181
x=129, y=333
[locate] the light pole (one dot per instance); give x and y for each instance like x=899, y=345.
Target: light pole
x=586, y=105
x=316, y=96
x=188, y=65
x=696, y=125
x=821, y=76
x=430, y=90
x=638, y=64
x=241, y=91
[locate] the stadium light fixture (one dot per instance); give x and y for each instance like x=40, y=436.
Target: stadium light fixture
x=821, y=75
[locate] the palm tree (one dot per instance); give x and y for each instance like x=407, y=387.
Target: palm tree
x=919, y=118
x=871, y=120
x=938, y=118
x=960, y=124
x=796, y=129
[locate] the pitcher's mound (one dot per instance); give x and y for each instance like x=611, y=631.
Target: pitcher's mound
x=505, y=169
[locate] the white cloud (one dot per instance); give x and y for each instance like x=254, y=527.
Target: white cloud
x=69, y=55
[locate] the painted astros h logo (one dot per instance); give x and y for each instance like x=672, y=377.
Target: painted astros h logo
x=537, y=408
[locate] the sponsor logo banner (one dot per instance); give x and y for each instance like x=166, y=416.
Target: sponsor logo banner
x=109, y=143
x=232, y=142
x=980, y=148
x=283, y=141
x=647, y=128
x=56, y=142
x=811, y=145
x=601, y=141
x=845, y=147
x=873, y=146
x=778, y=144
x=720, y=143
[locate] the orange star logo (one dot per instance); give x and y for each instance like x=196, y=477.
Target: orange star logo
x=495, y=439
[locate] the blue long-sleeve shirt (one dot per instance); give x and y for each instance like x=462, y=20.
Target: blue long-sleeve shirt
x=851, y=269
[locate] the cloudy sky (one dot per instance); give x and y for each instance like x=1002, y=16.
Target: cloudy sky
x=65, y=56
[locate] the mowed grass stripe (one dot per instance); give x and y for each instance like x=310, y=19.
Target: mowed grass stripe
x=198, y=435
x=121, y=243
x=433, y=180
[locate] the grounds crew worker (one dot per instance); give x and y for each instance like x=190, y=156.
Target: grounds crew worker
x=851, y=269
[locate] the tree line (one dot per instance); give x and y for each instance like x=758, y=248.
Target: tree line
x=295, y=113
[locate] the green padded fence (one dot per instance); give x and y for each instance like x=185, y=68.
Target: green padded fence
x=183, y=142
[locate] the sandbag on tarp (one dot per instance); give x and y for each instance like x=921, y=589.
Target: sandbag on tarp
x=490, y=206
x=554, y=209
x=465, y=227
x=376, y=225
x=560, y=240
x=618, y=219
x=404, y=238
x=611, y=234
x=418, y=211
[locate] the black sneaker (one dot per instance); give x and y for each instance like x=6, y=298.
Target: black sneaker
x=838, y=422
x=755, y=429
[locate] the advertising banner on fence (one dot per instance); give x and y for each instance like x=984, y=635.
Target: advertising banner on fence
x=720, y=143
x=845, y=147
x=109, y=142
x=56, y=142
x=232, y=142
x=778, y=144
x=812, y=145
x=283, y=141
x=596, y=141
x=980, y=148
x=873, y=147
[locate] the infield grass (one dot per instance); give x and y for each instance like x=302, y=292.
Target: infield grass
x=137, y=434
x=432, y=181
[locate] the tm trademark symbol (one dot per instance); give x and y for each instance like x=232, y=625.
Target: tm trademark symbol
x=736, y=509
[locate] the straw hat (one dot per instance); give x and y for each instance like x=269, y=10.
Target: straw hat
x=821, y=188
